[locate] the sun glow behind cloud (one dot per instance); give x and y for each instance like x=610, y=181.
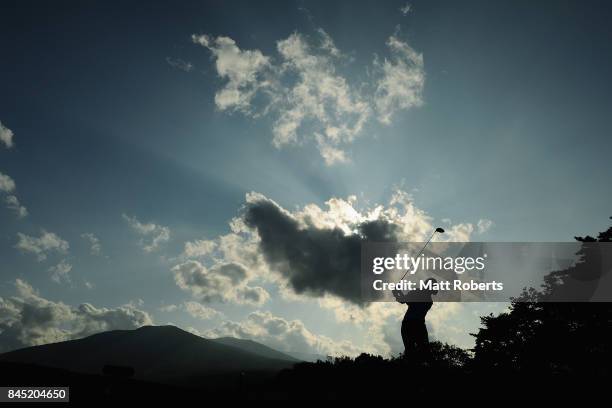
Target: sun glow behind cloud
x=296, y=254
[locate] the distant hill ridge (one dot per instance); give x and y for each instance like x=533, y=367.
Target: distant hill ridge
x=156, y=353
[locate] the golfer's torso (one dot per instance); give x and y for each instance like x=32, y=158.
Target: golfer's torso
x=417, y=310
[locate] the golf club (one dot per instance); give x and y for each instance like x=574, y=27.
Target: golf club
x=439, y=230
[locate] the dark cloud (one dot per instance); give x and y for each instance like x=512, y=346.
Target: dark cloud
x=314, y=260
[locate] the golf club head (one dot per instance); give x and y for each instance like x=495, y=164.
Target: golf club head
x=440, y=230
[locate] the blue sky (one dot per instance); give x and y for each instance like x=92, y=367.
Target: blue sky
x=112, y=112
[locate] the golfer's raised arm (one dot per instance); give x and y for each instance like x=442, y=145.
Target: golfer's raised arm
x=400, y=296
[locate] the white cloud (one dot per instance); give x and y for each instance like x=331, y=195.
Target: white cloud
x=179, y=64
x=43, y=245
x=90, y=319
x=223, y=282
x=283, y=335
x=319, y=94
x=402, y=80
x=405, y=9
x=194, y=309
x=199, y=248
x=95, y=247
x=61, y=272
x=306, y=94
x=243, y=70
x=330, y=154
x=154, y=235
x=484, y=225
x=13, y=204
x=168, y=308
x=6, y=136
x=327, y=44
x=7, y=185
x=27, y=319
x=199, y=311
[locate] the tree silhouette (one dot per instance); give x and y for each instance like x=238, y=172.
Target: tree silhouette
x=539, y=335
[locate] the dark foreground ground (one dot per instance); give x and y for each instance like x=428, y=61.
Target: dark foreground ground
x=367, y=379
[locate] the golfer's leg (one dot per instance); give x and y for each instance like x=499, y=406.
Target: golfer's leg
x=424, y=334
x=424, y=342
x=405, y=338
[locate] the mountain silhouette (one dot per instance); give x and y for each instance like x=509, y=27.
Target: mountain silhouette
x=256, y=348
x=164, y=354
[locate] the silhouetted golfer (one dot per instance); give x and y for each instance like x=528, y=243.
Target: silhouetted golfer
x=414, y=331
